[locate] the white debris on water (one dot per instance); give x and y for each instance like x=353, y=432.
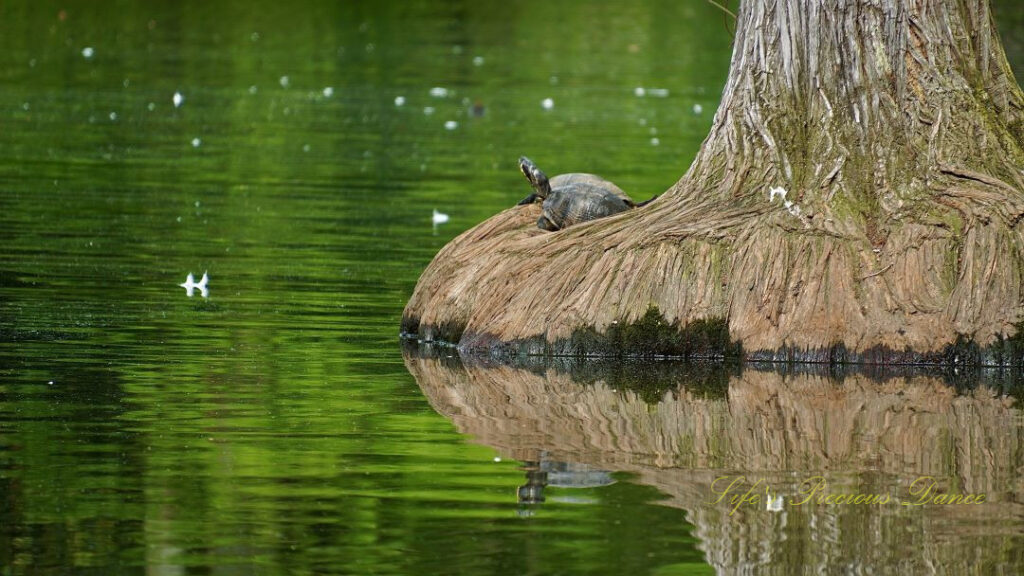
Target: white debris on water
x=196, y=142
x=253, y=89
x=285, y=81
x=439, y=92
x=497, y=458
x=399, y=100
x=428, y=110
x=655, y=141
x=151, y=106
x=640, y=92
x=178, y=99
x=451, y=125
x=697, y=108
x=478, y=61
x=547, y=103
x=190, y=285
x=439, y=217
x=113, y=116
x=328, y=92
x=88, y=52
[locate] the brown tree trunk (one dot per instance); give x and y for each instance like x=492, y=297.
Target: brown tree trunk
x=859, y=197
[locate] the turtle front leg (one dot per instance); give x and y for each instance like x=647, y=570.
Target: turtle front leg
x=544, y=223
x=528, y=200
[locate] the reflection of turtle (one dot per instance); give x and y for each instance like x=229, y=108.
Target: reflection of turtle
x=573, y=198
x=543, y=473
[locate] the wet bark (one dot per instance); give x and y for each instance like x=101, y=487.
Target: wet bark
x=859, y=197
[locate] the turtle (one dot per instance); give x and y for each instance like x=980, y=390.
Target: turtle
x=573, y=198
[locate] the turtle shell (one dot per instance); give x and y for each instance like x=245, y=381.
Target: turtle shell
x=592, y=179
x=581, y=201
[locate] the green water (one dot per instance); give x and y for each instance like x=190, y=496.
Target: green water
x=275, y=427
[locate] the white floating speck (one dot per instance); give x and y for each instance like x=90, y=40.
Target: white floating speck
x=438, y=92
x=113, y=116
x=305, y=148
x=255, y=36
x=285, y=81
x=655, y=141
x=497, y=458
x=196, y=142
x=553, y=80
x=190, y=285
x=328, y=92
x=32, y=63
x=178, y=99
x=428, y=110
x=399, y=100
x=253, y=89
x=642, y=121
x=451, y=125
x=639, y=92
x=126, y=82
x=658, y=92
x=439, y=218
x=653, y=131
x=697, y=108
x=26, y=106
x=478, y=61
x=151, y=106
x=547, y=103
x=88, y=52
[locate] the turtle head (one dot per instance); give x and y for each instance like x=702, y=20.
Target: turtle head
x=538, y=180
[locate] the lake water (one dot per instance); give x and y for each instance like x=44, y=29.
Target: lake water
x=278, y=426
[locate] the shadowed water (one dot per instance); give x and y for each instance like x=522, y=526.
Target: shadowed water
x=274, y=427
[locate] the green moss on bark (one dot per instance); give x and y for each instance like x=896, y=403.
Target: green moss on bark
x=653, y=335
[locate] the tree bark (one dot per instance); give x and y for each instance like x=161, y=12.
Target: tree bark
x=859, y=197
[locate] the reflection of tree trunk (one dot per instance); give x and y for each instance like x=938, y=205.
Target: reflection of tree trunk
x=892, y=135
x=861, y=434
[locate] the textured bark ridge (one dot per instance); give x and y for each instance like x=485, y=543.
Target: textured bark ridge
x=858, y=198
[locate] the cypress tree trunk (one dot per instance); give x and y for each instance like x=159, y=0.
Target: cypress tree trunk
x=859, y=197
